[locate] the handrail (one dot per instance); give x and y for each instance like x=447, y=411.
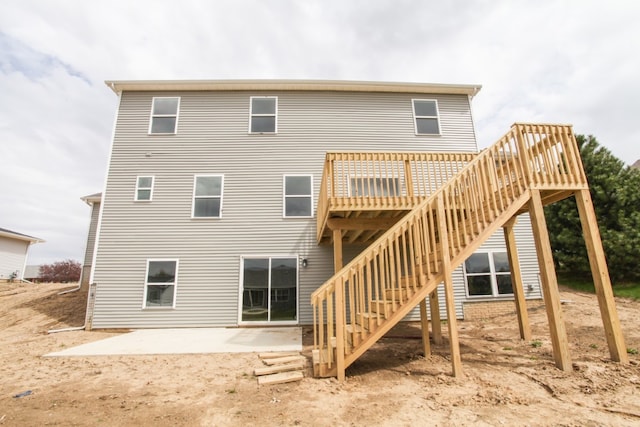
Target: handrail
x=383, y=180
x=403, y=260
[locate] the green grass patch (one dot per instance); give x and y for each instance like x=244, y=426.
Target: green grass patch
x=625, y=290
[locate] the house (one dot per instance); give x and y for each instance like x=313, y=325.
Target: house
x=235, y=203
x=93, y=200
x=14, y=248
x=32, y=273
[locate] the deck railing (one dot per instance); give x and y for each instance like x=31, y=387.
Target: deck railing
x=383, y=181
x=382, y=283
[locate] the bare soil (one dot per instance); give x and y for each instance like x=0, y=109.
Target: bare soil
x=506, y=381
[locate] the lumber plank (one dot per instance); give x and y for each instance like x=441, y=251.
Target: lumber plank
x=284, y=360
x=276, y=355
x=267, y=370
x=282, y=377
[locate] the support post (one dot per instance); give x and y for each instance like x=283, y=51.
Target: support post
x=424, y=324
x=337, y=250
x=516, y=280
x=436, y=323
x=601, y=280
x=340, y=330
x=549, y=283
x=452, y=321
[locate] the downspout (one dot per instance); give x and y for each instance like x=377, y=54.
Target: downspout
x=74, y=328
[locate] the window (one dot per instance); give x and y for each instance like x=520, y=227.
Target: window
x=160, y=284
x=207, y=196
x=488, y=274
x=425, y=113
x=263, y=114
x=374, y=187
x=164, y=115
x=269, y=288
x=298, y=199
x=144, y=188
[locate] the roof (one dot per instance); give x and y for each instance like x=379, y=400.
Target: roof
x=92, y=198
x=118, y=86
x=19, y=236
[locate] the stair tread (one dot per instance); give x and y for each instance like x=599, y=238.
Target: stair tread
x=354, y=327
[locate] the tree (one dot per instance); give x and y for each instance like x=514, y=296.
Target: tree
x=615, y=190
x=61, y=271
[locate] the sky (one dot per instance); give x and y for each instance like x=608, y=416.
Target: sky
x=551, y=61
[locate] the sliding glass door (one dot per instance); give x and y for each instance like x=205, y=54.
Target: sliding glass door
x=269, y=289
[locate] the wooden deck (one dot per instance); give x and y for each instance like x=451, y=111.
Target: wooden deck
x=423, y=214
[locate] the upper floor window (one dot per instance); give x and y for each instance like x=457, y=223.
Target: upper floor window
x=160, y=283
x=264, y=112
x=298, y=196
x=164, y=115
x=144, y=188
x=207, y=196
x=488, y=274
x=425, y=113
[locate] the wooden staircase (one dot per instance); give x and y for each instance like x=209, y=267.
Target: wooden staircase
x=405, y=265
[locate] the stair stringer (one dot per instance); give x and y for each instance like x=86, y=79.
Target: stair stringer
x=436, y=279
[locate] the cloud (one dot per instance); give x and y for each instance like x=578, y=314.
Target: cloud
x=552, y=61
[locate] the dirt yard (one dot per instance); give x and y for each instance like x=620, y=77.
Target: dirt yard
x=506, y=381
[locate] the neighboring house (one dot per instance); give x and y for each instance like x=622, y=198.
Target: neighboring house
x=14, y=248
x=32, y=273
x=216, y=212
x=92, y=200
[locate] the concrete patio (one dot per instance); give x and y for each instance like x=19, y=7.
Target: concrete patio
x=192, y=341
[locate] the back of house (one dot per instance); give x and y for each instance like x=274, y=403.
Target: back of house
x=211, y=212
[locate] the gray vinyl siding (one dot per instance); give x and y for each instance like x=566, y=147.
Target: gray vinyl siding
x=91, y=243
x=212, y=138
x=13, y=253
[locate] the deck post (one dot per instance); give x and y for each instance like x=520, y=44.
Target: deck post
x=424, y=324
x=408, y=179
x=601, y=279
x=337, y=250
x=516, y=280
x=549, y=283
x=452, y=321
x=436, y=323
x=340, y=329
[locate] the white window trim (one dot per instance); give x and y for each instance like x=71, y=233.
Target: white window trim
x=153, y=181
x=193, y=196
x=146, y=284
x=366, y=177
x=241, y=290
x=492, y=272
x=251, y=115
x=177, y=115
x=415, y=117
x=284, y=196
